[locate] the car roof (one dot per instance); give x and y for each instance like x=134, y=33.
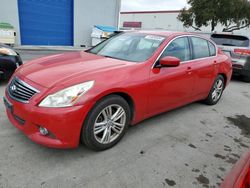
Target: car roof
x=166, y=33
x=162, y=33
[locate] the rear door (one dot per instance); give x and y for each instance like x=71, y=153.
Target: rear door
x=172, y=86
x=205, y=65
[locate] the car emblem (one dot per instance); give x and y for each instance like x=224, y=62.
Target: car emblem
x=13, y=88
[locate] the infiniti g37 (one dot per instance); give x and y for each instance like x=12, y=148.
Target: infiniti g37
x=93, y=96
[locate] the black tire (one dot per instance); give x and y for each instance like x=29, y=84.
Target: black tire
x=88, y=137
x=246, y=79
x=2, y=75
x=5, y=76
x=210, y=100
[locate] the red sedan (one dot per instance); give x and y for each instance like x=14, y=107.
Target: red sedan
x=239, y=177
x=93, y=96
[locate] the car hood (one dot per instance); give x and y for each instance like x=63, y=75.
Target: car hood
x=55, y=69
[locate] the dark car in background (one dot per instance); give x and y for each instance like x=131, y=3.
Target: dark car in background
x=9, y=61
x=238, y=47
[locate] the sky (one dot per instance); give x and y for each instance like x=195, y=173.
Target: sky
x=149, y=5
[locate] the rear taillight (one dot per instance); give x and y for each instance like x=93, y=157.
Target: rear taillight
x=242, y=51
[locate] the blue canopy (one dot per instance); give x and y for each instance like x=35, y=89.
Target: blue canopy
x=106, y=28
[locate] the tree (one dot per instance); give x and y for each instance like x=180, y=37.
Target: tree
x=231, y=14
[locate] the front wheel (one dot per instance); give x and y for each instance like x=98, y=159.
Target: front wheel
x=106, y=123
x=216, y=91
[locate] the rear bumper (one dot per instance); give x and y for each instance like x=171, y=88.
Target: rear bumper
x=242, y=67
x=241, y=72
x=64, y=124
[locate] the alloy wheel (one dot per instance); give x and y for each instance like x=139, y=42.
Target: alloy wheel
x=218, y=89
x=109, y=124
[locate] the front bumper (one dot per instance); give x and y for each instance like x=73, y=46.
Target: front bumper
x=63, y=124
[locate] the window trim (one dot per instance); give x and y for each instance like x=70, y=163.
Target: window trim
x=189, y=61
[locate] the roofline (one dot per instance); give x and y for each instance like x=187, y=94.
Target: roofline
x=152, y=12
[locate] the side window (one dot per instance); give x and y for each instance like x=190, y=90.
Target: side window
x=178, y=48
x=200, y=48
x=212, y=49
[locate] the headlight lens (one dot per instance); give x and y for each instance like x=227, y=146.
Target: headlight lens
x=66, y=97
x=7, y=51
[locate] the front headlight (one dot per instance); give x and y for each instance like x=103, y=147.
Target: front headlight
x=66, y=97
x=7, y=51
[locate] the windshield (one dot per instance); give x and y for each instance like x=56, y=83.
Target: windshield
x=129, y=47
x=230, y=40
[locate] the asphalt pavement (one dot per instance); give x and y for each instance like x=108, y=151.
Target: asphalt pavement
x=193, y=146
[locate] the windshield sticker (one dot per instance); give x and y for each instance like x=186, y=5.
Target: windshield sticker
x=154, y=37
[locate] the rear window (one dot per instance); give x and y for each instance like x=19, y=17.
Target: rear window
x=200, y=48
x=230, y=40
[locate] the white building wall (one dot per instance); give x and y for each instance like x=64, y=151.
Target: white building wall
x=86, y=14
x=9, y=14
x=166, y=21
x=90, y=13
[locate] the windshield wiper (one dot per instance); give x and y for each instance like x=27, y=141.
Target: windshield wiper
x=115, y=58
x=108, y=56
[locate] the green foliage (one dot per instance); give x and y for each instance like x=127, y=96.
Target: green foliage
x=232, y=14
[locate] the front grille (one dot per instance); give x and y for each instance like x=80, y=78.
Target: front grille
x=21, y=91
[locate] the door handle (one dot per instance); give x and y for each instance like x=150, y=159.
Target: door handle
x=189, y=70
x=216, y=62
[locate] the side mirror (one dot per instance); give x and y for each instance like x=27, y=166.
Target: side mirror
x=170, y=61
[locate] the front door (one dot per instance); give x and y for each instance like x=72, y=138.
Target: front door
x=171, y=87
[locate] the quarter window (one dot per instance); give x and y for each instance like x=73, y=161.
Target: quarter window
x=212, y=49
x=200, y=48
x=178, y=48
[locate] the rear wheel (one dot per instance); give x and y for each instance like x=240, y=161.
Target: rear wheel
x=106, y=123
x=216, y=91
